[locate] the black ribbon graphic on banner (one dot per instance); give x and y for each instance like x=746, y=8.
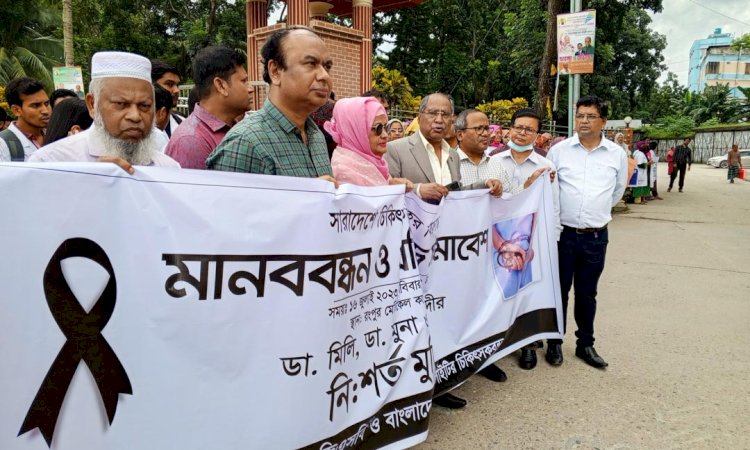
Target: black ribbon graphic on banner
x=84, y=341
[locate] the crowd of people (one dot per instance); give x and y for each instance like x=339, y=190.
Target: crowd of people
x=301, y=130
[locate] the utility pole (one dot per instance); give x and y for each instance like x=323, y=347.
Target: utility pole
x=574, y=84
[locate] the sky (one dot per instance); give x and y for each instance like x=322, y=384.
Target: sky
x=684, y=21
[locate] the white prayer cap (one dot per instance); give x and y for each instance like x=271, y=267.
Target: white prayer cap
x=120, y=64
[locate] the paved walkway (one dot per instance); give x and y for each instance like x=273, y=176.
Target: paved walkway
x=673, y=319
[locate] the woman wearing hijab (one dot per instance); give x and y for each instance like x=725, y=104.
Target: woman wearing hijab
x=358, y=127
x=620, y=140
x=395, y=129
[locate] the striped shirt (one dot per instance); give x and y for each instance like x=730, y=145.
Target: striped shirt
x=488, y=168
x=268, y=143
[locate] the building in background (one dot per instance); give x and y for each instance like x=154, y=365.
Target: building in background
x=350, y=47
x=713, y=61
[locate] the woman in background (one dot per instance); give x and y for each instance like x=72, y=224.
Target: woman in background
x=395, y=129
x=68, y=118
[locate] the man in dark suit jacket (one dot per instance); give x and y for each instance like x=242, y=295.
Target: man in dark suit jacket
x=425, y=159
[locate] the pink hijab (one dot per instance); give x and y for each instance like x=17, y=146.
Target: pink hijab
x=350, y=128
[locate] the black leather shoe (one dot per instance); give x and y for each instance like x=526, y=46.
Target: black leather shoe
x=449, y=401
x=554, y=354
x=527, y=361
x=494, y=373
x=589, y=355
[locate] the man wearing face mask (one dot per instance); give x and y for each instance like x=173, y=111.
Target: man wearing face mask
x=525, y=165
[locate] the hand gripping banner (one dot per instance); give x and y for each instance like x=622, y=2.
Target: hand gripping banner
x=84, y=341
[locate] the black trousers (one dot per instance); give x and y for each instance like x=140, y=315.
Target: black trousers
x=682, y=168
x=581, y=258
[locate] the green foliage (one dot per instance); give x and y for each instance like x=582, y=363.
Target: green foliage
x=395, y=86
x=671, y=127
x=480, y=50
x=500, y=111
x=27, y=45
x=742, y=42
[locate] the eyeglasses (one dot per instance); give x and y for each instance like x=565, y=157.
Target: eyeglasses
x=433, y=113
x=480, y=129
x=524, y=130
x=378, y=129
x=587, y=117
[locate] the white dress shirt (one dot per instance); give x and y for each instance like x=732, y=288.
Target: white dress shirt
x=489, y=167
x=519, y=173
x=86, y=147
x=28, y=146
x=439, y=167
x=591, y=182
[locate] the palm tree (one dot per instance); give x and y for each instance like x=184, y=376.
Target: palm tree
x=67, y=18
x=26, y=46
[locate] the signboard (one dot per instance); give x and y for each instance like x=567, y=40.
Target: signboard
x=576, y=39
x=69, y=78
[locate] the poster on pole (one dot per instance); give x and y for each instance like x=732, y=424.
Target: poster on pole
x=69, y=78
x=576, y=34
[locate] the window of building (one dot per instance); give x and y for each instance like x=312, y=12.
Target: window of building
x=712, y=67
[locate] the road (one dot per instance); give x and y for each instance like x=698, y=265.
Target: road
x=672, y=321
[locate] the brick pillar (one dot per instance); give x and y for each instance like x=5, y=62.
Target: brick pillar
x=362, y=14
x=255, y=15
x=298, y=13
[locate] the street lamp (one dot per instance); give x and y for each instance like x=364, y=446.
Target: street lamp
x=628, y=131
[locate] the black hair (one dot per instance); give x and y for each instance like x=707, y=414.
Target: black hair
x=21, y=86
x=332, y=96
x=159, y=68
x=272, y=51
x=192, y=99
x=377, y=94
x=212, y=62
x=593, y=100
x=68, y=113
x=162, y=98
x=58, y=94
x=526, y=112
x=4, y=115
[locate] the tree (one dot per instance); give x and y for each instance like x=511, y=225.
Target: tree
x=67, y=19
x=395, y=86
x=742, y=43
x=544, y=87
x=27, y=46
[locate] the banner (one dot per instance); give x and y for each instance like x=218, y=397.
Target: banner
x=69, y=78
x=576, y=38
x=192, y=309
x=513, y=296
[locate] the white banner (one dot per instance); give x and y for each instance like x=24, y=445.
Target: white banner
x=193, y=310
x=493, y=280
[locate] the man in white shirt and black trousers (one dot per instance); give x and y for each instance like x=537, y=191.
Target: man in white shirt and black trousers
x=592, y=172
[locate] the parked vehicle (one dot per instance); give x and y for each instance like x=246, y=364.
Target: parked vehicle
x=721, y=161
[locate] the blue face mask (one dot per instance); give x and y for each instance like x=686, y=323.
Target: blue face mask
x=520, y=148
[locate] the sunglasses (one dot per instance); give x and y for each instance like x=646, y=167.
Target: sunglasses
x=378, y=129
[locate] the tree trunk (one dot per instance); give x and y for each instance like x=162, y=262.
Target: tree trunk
x=211, y=20
x=67, y=19
x=554, y=7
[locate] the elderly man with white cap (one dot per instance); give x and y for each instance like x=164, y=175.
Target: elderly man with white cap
x=121, y=101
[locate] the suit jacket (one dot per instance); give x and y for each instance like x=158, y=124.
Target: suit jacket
x=407, y=158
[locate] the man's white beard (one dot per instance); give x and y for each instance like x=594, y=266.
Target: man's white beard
x=137, y=153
